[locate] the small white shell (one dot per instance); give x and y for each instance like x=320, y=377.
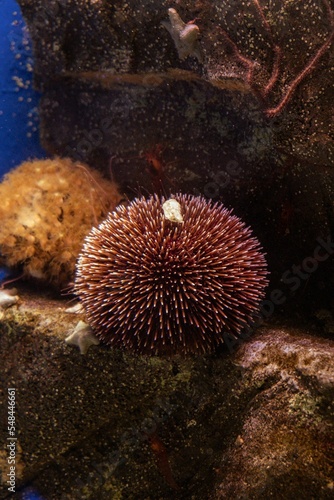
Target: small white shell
x=8, y=298
x=83, y=337
x=172, y=210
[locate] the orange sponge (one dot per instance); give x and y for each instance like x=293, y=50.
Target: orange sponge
x=47, y=208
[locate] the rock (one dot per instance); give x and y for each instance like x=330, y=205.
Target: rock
x=251, y=423
x=259, y=44
x=285, y=446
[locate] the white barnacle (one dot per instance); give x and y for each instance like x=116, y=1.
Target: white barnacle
x=185, y=36
x=8, y=298
x=172, y=210
x=83, y=337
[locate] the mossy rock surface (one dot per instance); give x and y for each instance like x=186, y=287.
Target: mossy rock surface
x=250, y=423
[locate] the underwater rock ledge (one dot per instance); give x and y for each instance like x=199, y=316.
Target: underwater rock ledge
x=255, y=423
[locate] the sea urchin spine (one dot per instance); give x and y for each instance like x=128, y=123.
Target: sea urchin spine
x=157, y=286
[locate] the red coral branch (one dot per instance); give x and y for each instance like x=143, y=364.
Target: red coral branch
x=248, y=63
x=275, y=72
x=305, y=72
x=277, y=52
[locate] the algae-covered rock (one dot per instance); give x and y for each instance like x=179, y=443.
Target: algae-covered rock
x=253, y=422
x=285, y=446
x=247, y=44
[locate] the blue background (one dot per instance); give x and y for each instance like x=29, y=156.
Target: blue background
x=19, y=134
x=19, y=125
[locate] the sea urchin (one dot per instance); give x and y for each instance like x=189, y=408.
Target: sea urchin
x=157, y=284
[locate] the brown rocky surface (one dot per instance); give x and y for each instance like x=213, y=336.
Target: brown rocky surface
x=128, y=39
x=256, y=422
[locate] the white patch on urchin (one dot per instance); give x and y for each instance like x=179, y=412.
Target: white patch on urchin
x=8, y=298
x=83, y=337
x=172, y=210
x=185, y=36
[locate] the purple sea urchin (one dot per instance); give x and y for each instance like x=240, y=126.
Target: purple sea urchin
x=155, y=285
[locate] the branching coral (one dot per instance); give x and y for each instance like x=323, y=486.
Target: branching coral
x=47, y=208
x=264, y=91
